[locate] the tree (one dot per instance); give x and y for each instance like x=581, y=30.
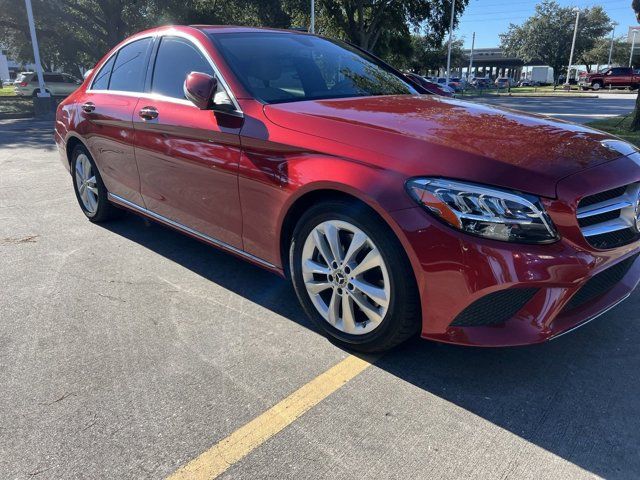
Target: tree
x=546, y=36
x=428, y=55
x=599, y=54
x=366, y=22
x=84, y=30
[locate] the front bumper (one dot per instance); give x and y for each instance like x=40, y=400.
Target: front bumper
x=455, y=270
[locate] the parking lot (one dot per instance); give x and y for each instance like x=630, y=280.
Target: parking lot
x=571, y=109
x=128, y=350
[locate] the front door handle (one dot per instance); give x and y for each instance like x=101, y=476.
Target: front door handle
x=88, y=107
x=148, y=113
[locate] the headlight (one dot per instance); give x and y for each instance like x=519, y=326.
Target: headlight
x=487, y=212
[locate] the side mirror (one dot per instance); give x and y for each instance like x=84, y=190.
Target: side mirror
x=199, y=89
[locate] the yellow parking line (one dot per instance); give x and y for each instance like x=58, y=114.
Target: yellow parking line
x=240, y=443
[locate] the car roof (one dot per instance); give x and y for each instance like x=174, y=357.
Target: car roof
x=239, y=29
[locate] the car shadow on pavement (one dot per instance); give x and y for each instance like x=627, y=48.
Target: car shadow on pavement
x=577, y=397
x=27, y=132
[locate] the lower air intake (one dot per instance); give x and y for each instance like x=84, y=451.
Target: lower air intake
x=495, y=308
x=600, y=283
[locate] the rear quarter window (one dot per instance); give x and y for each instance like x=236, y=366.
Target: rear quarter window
x=101, y=80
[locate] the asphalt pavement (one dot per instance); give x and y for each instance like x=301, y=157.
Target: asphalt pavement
x=127, y=350
x=571, y=109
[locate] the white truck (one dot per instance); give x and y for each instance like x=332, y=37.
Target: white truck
x=542, y=75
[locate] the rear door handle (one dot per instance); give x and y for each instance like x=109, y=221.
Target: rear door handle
x=89, y=107
x=148, y=113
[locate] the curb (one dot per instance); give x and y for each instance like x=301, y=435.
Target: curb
x=13, y=116
x=534, y=95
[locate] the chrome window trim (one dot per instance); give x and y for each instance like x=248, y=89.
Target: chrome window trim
x=159, y=35
x=214, y=241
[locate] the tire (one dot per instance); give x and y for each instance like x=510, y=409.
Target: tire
x=91, y=194
x=375, y=327
x=596, y=85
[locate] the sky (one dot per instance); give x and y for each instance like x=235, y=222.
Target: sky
x=489, y=18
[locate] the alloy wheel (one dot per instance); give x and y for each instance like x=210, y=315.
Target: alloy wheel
x=86, y=183
x=346, y=277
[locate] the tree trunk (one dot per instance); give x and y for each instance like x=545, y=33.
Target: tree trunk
x=635, y=123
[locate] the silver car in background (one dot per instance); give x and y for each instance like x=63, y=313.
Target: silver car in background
x=57, y=84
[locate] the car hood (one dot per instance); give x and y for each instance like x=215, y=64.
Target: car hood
x=427, y=135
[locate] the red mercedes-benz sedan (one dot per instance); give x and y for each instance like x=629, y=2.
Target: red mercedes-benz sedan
x=393, y=211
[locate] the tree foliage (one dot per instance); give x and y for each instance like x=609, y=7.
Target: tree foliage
x=365, y=22
x=428, y=56
x=546, y=36
x=599, y=54
x=84, y=30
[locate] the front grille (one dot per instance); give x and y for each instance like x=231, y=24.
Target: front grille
x=608, y=219
x=603, y=196
x=495, y=308
x=601, y=283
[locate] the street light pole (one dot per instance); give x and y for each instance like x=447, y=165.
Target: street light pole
x=633, y=46
x=473, y=44
x=613, y=32
x=313, y=16
x=573, y=45
x=36, y=51
x=453, y=10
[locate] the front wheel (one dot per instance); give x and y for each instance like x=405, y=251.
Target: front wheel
x=596, y=85
x=353, y=277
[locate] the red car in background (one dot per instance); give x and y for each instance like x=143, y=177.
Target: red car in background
x=429, y=86
x=617, y=77
x=393, y=213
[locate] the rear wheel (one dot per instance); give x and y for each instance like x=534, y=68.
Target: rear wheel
x=89, y=187
x=353, y=278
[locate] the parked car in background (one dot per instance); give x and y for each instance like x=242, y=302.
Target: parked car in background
x=481, y=82
x=429, y=86
x=57, y=84
x=393, y=213
x=525, y=82
x=503, y=82
x=617, y=77
x=456, y=83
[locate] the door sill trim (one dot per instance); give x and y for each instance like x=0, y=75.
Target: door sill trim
x=183, y=228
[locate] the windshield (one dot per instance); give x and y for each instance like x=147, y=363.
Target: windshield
x=276, y=67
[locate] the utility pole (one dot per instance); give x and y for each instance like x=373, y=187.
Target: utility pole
x=473, y=44
x=633, y=46
x=613, y=32
x=36, y=50
x=453, y=11
x=573, y=46
x=313, y=16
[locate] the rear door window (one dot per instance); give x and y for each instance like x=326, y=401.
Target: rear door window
x=176, y=58
x=129, y=67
